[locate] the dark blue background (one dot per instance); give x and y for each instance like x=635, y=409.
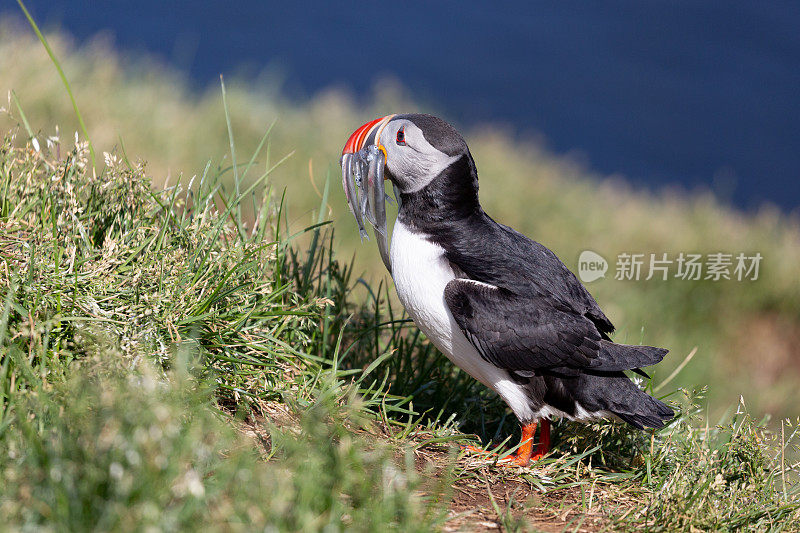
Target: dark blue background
x=696, y=93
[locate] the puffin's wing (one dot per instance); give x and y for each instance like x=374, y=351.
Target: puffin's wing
x=533, y=333
x=513, y=261
x=553, y=278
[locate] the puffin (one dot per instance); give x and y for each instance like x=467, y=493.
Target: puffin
x=499, y=305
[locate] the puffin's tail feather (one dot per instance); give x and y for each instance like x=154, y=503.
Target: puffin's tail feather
x=615, y=393
x=646, y=411
x=615, y=357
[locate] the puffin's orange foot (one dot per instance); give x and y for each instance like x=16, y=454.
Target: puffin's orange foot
x=513, y=461
x=525, y=453
x=474, y=449
x=544, y=441
x=522, y=459
x=540, y=452
x=508, y=461
x=486, y=454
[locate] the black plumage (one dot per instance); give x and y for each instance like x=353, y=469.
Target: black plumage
x=519, y=305
x=535, y=332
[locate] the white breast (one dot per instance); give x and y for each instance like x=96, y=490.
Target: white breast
x=421, y=271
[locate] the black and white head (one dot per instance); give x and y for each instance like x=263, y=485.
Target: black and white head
x=417, y=148
x=426, y=160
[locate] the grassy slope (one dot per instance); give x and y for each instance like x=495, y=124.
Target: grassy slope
x=128, y=318
x=117, y=299
x=134, y=324
x=746, y=332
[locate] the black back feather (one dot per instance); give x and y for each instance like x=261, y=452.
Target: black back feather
x=528, y=313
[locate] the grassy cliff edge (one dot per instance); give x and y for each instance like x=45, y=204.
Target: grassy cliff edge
x=195, y=352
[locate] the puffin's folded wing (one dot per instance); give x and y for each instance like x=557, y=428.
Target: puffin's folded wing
x=532, y=333
x=521, y=333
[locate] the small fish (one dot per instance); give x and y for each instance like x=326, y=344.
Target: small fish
x=350, y=191
x=365, y=191
x=360, y=170
x=376, y=191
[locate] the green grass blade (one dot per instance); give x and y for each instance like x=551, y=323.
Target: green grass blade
x=236, y=180
x=61, y=73
x=22, y=115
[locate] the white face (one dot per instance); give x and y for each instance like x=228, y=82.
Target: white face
x=411, y=160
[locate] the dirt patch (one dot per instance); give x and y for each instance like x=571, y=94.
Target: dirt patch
x=486, y=497
x=512, y=503
x=493, y=498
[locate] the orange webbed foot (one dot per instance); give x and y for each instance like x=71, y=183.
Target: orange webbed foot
x=525, y=453
x=544, y=441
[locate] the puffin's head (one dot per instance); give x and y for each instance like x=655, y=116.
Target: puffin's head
x=417, y=147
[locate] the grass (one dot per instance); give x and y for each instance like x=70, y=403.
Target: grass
x=137, y=328
x=141, y=327
x=746, y=333
x=184, y=355
x=81, y=456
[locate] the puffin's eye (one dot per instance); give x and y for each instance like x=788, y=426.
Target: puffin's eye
x=401, y=136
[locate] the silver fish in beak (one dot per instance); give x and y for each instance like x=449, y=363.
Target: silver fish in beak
x=376, y=192
x=363, y=163
x=350, y=192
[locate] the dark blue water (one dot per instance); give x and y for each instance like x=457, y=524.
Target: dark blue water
x=695, y=93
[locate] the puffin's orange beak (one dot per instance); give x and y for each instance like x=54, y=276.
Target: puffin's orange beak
x=370, y=130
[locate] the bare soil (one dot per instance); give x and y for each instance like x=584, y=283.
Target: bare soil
x=488, y=497
x=497, y=498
